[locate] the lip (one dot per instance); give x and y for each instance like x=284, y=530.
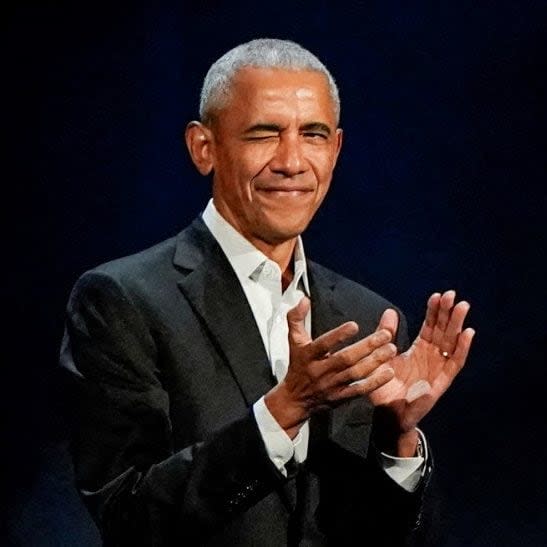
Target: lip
x=285, y=196
x=285, y=189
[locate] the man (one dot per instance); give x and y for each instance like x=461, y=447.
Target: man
x=226, y=385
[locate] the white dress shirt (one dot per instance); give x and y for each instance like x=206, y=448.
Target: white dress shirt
x=260, y=279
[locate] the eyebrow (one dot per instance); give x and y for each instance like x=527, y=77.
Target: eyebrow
x=274, y=128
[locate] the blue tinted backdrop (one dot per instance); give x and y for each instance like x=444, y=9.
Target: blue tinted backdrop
x=439, y=185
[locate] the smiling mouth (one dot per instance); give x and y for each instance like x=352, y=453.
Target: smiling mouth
x=286, y=197
x=285, y=190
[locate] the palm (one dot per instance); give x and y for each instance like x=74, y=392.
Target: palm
x=423, y=373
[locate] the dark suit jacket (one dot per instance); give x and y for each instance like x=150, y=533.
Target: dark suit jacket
x=165, y=361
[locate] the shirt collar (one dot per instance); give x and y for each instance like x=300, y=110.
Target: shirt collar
x=244, y=257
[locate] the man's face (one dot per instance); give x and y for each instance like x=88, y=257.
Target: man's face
x=274, y=148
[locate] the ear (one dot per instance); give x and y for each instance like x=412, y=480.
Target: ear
x=199, y=142
x=339, y=138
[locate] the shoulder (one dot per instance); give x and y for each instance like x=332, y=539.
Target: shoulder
x=149, y=277
x=142, y=267
x=134, y=272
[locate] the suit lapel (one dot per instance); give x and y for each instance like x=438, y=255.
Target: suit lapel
x=325, y=313
x=349, y=424
x=214, y=292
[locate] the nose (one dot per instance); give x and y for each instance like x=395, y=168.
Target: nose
x=288, y=158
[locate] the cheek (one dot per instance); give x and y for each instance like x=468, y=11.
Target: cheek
x=249, y=163
x=257, y=159
x=323, y=166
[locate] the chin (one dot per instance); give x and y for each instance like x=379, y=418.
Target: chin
x=280, y=234
x=279, y=228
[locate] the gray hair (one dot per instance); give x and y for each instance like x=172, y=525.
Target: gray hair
x=260, y=53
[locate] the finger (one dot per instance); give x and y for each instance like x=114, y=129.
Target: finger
x=446, y=303
x=454, y=327
x=350, y=355
x=296, y=318
x=389, y=321
x=462, y=349
x=381, y=376
x=426, y=331
x=365, y=367
x=332, y=339
x=453, y=365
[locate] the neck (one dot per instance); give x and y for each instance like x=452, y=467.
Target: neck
x=280, y=252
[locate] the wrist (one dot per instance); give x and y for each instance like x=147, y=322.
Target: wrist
x=407, y=444
x=289, y=414
x=390, y=438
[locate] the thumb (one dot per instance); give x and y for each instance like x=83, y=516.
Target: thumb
x=296, y=321
x=389, y=321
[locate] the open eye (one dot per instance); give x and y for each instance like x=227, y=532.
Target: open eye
x=316, y=132
x=315, y=135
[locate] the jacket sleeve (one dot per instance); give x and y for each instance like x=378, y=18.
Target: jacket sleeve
x=359, y=500
x=138, y=489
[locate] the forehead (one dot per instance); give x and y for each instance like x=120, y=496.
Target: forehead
x=259, y=92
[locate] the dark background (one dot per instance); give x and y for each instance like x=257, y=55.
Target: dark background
x=440, y=185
